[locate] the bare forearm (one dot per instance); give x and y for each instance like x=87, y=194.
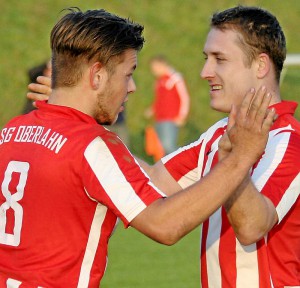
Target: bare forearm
x=250, y=213
x=160, y=177
x=147, y=167
x=175, y=216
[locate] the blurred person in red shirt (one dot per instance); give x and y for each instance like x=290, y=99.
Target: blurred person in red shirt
x=171, y=102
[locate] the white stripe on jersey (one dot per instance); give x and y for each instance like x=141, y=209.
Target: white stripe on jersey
x=275, y=150
x=91, y=247
x=244, y=256
x=208, y=135
x=268, y=165
x=11, y=283
x=289, y=198
x=110, y=176
x=211, y=156
x=192, y=176
x=212, y=250
x=246, y=260
x=214, y=276
x=188, y=179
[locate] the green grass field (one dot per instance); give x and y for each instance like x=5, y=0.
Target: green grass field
x=136, y=261
x=172, y=27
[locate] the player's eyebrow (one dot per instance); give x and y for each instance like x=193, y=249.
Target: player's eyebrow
x=214, y=53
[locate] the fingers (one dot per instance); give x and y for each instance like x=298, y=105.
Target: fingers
x=259, y=106
x=36, y=96
x=254, y=108
x=263, y=111
x=225, y=146
x=246, y=104
x=249, y=135
x=231, y=117
x=269, y=120
x=38, y=91
x=44, y=80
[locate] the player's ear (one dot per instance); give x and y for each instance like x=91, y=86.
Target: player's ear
x=264, y=65
x=97, y=71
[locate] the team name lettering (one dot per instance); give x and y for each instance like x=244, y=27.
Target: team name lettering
x=6, y=134
x=34, y=134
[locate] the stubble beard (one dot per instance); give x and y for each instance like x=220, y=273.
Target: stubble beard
x=102, y=115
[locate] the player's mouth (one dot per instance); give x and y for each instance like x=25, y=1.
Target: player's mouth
x=215, y=87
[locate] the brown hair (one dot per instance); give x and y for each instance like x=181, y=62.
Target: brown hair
x=80, y=37
x=259, y=30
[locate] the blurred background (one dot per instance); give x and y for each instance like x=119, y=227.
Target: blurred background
x=174, y=28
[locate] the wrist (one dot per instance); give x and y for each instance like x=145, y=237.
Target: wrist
x=236, y=162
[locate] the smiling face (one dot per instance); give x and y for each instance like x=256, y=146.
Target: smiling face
x=226, y=70
x=116, y=86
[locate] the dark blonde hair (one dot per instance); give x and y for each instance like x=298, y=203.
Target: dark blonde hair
x=95, y=35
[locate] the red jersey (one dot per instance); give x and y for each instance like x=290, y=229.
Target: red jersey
x=65, y=180
x=275, y=260
x=172, y=99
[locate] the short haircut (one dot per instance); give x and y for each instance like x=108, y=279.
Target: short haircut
x=260, y=33
x=95, y=35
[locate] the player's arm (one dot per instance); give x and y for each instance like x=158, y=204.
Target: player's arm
x=161, y=177
x=250, y=213
x=168, y=220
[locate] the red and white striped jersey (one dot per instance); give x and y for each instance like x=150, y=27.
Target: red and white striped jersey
x=65, y=180
x=275, y=260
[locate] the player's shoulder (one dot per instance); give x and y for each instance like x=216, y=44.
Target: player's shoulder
x=14, y=121
x=221, y=124
x=214, y=131
x=295, y=123
x=106, y=136
x=286, y=123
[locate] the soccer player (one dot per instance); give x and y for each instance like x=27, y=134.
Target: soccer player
x=66, y=180
x=254, y=239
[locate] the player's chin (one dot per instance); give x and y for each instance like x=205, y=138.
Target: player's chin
x=106, y=121
x=219, y=106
